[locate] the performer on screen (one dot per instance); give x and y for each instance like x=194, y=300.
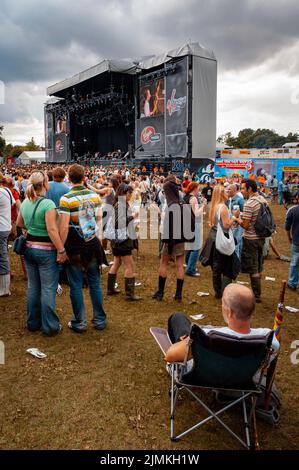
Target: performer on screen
x=157, y=98
x=147, y=109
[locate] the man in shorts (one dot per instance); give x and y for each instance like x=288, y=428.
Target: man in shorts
x=252, y=250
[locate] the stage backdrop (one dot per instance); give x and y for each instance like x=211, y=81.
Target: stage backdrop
x=176, y=110
x=60, y=148
x=162, y=125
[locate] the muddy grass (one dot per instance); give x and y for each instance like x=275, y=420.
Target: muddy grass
x=109, y=389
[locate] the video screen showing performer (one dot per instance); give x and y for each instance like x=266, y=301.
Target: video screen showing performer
x=152, y=98
x=61, y=125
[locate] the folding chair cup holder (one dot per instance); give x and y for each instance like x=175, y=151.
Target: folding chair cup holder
x=224, y=365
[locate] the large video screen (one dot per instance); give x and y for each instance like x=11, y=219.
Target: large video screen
x=152, y=98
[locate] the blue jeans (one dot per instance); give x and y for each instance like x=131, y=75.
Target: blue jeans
x=4, y=257
x=280, y=198
x=293, y=280
x=75, y=276
x=191, y=261
x=238, y=235
x=43, y=273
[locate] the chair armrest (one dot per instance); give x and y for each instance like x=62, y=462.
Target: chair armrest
x=162, y=339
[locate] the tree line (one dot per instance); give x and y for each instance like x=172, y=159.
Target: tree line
x=7, y=150
x=259, y=138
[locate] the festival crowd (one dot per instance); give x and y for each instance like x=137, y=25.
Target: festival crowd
x=63, y=222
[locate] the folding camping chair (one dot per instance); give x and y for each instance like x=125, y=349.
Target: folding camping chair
x=222, y=364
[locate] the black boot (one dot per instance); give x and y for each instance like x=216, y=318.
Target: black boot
x=158, y=295
x=130, y=288
x=256, y=287
x=217, y=285
x=179, y=288
x=225, y=282
x=111, y=285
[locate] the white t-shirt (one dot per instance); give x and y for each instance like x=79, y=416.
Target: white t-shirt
x=253, y=332
x=6, y=201
x=228, y=331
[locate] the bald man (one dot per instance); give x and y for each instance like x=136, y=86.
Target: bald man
x=238, y=306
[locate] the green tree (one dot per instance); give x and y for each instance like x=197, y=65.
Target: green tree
x=259, y=138
x=17, y=150
x=31, y=146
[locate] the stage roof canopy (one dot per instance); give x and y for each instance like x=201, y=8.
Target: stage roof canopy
x=130, y=66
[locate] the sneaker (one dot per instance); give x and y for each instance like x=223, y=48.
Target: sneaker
x=81, y=330
x=53, y=333
x=192, y=275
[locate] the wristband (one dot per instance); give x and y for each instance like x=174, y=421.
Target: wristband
x=61, y=252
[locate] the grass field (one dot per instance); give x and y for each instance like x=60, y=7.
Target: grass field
x=109, y=389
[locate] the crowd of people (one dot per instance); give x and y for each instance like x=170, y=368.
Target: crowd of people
x=73, y=217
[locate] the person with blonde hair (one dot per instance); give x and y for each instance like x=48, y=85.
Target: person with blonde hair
x=44, y=252
x=224, y=267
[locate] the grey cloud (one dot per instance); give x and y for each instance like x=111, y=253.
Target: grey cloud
x=45, y=42
x=242, y=33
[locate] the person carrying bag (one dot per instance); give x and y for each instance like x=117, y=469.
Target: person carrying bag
x=19, y=244
x=224, y=242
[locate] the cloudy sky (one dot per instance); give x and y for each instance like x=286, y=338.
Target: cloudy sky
x=256, y=43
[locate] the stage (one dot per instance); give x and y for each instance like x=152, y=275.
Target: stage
x=155, y=109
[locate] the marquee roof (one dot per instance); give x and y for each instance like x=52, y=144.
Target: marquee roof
x=130, y=66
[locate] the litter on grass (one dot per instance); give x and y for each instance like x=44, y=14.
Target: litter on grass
x=200, y=316
x=36, y=353
x=292, y=309
x=202, y=294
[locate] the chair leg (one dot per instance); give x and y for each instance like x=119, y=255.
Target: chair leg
x=246, y=424
x=213, y=415
x=172, y=403
x=173, y=400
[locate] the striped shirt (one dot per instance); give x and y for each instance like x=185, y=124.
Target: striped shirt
x=70, y=202
x=250, y=212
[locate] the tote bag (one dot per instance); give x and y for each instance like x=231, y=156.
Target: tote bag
x=224, y=245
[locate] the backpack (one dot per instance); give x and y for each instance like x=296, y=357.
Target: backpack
x=264, y=225
x=87, y=221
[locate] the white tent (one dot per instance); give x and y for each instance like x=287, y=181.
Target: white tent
x=27, y=158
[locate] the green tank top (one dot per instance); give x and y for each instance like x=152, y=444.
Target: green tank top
x=38, y=226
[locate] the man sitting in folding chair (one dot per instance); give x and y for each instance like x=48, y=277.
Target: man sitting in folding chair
x=222, y=359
